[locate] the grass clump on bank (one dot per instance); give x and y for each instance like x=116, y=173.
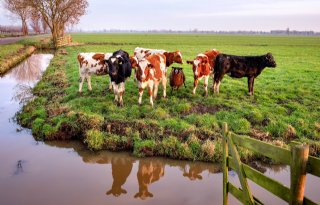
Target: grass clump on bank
x=182, y=126
x=13, y=56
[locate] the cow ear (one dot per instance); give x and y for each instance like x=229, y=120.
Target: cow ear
x=190, y=62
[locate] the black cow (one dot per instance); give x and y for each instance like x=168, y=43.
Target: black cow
x=119, y=70
x=241, y=66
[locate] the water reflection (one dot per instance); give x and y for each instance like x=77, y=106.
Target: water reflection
x=150, y=170
x=30, y=70
x=19, y=168
x=121, y=169
x=148, y=173
x=27, y=74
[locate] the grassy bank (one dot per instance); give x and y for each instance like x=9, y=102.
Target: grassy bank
x=12, y=55
x=184, y=126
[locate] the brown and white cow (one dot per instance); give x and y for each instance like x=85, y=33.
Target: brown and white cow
x=171, y=57
x=202, y=67
x=151, y=71
x=92, y=63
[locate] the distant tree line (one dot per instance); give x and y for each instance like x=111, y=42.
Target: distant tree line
x=43, y=15
x=196, y=31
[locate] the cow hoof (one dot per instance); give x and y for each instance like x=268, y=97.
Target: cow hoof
x=80, y=94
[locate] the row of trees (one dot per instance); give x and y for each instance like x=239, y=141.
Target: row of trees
x=53, y=14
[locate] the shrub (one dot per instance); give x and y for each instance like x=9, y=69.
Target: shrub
x=169, y=147
x=116, y=142
x=144, y=148
x=195, y=146
x=208, y=150
x=95, y=139
x=37, y=128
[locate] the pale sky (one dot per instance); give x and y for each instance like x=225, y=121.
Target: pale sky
x=228, y=15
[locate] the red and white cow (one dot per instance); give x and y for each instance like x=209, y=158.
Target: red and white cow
x=171, y=57
x=202, y=67
x=92, y=63
x=151, y=71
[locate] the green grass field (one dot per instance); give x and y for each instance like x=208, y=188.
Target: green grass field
x=285, y=106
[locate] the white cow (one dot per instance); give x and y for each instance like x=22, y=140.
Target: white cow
x=92, y=63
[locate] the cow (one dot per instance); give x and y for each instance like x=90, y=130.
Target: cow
x=202, y=67
x=151, y=70
x=119, y=70
x=177, y=78
x=92, y=63
x=241, y=66
x=171, y=57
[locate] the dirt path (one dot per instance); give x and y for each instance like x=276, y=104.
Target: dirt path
x=9, y=40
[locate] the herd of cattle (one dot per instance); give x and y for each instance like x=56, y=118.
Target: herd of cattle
x=151, y=66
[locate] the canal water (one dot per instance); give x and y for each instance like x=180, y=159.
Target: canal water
x=65, y=172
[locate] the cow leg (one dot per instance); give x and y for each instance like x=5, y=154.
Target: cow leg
x=250, y=85
x=89, y=82
x=164, y=85
x=121, y=91
x=82, y=77
x=213, y=83
x=140, y=95
x=115, y=91
x=110, y=85
x=206, y=81
x=155, y=89
x=195, y=84
x=151, y=87
x=216, y=86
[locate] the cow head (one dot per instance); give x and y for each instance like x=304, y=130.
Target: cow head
x=177, y=70
x=177, y=57
x=144, y=70
x=115, y=64
x=269, y=60
x=200, y=65
x=172, y=57
x=134, y=62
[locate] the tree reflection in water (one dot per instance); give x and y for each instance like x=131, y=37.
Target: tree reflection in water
x=26, y=74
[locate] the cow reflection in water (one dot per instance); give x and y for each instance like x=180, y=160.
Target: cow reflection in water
x=194, y=172
x=121, y=168
x=148, y=173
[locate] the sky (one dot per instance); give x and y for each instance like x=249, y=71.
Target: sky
x=226, y=15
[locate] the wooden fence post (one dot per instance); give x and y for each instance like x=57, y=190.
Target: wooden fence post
x=225, y=163
x=298, y=169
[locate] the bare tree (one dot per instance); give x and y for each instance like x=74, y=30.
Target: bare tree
x=20, y=9
x=59, y=13
x=35, y=17
x=44, y=25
